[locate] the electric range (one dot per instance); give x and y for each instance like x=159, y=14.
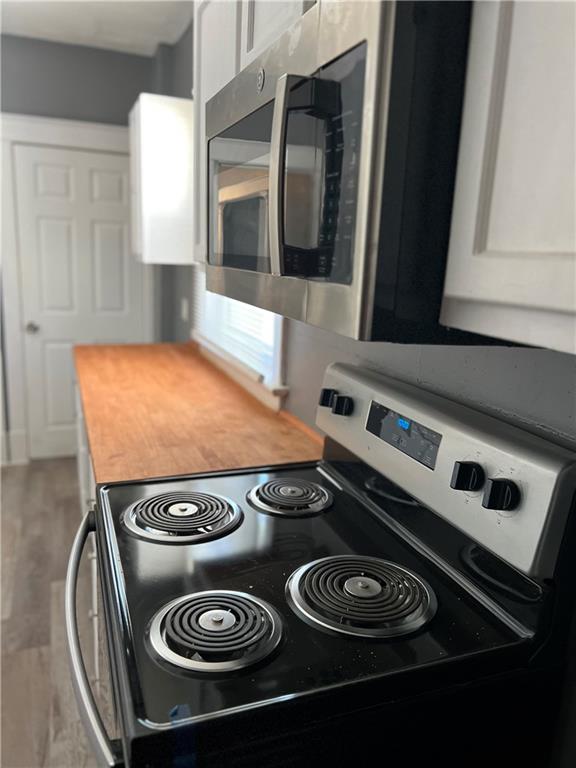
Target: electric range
x=310, y=614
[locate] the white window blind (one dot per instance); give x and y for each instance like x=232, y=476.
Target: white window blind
x=249, y=334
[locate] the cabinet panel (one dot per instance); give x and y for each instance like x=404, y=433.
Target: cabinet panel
x=91, y=613
x=161, y=144
x=512, y=260
x=135, y=180
x=265, y=20
x=86, y=480
x=216, y=62
x=103, y=689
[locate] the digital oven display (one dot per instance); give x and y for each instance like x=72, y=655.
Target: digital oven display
x=410, y=437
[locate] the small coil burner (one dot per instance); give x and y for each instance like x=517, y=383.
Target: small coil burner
x=362, y=596
x=182, y=518
x=215, y=631
x=290, y=497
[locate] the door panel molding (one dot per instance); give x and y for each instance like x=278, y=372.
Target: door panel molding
x=58, y=274
x=67, y=134
x=118, y=261
x=511, y=270
x=495, y=108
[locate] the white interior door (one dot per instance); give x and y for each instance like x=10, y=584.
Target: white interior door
x=80, y=284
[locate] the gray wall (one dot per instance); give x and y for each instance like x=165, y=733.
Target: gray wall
x=531, y=387
x=173, y=77
x=76, y=82
x=182, y=62
x=71, y=81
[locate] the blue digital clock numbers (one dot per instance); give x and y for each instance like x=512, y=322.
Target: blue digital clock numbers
x=403, y=424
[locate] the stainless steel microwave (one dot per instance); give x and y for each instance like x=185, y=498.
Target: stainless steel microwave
x=331, y=164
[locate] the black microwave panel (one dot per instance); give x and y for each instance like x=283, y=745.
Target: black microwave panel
x=330, y=129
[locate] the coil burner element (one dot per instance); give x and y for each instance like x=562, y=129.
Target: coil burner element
x=183, y=517
x=290, y=497
x=362, y=596
x=215, y=631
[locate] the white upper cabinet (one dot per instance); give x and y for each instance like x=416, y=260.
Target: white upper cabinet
x=161, y=170
x=511, y=269
x=265, y=20
x=216, y=62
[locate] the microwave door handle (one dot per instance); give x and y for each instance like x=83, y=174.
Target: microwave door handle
x=276, y=171
x=322, y=100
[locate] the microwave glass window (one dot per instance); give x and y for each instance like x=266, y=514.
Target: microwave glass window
x=239, y=160
x=242, y=227
x=323, y=142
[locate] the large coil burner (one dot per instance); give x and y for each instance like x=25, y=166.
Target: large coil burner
x=364, y=596
x=183, y=517
x=215, y=631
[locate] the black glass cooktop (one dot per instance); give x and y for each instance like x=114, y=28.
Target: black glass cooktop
x=255, y=559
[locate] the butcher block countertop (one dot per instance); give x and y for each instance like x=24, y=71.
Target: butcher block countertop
x=152, y=410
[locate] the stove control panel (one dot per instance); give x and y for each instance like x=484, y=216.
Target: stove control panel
x=403, y=433
x=504, y=487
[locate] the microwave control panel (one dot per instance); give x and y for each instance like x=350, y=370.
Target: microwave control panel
x=342, y=140
x=324, y=122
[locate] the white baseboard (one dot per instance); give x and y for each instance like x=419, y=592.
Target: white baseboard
x=17, y=440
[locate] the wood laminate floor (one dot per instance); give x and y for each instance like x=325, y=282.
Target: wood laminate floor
x=40, y=515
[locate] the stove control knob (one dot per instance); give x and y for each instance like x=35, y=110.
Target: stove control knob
x=342, y=405
x=467, y=476
x=326, y=397
x=501, y=494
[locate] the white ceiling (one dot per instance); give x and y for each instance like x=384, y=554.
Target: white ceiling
x=132, y=27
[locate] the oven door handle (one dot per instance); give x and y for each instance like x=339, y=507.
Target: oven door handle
x=87, y=707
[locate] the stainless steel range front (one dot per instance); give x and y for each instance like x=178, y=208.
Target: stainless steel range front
x=417, y=580
x=331, y=164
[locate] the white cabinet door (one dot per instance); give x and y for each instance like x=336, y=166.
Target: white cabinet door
x=161, y=168
x=512, y=260
x=79, y=282
x=216, y=62
x=265, y=20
